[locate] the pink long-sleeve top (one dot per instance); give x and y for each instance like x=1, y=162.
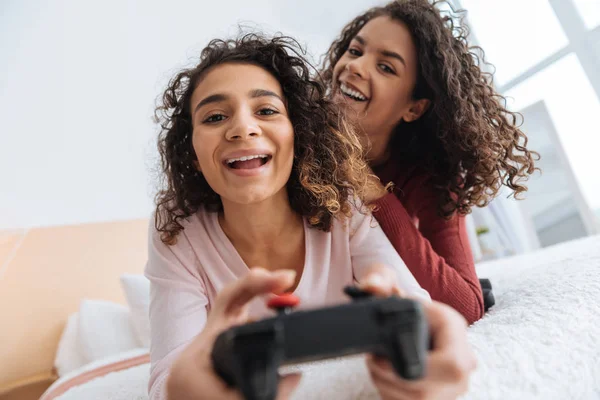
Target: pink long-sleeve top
x=186, y=277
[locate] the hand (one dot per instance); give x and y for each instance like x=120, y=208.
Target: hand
x=449, y=364
x=374, y=190
x=192, y=375
x=380, y=280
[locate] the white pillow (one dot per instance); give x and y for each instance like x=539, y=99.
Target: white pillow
x=69, y=356
x=104, y=329
x=137, y=292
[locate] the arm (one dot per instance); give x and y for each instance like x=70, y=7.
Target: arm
x=437, y=252
x=178, y=304
x=369, y=246
x=192, y=375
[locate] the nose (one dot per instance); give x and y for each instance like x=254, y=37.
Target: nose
x=244, y=126
x=358, y=67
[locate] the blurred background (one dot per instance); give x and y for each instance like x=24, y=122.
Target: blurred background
x=78, y=86
x=79, y=80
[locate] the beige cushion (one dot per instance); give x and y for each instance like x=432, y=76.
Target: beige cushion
x=44, y=273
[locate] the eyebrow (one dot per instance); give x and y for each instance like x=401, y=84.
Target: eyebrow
x=254, y=93
x=385, y=53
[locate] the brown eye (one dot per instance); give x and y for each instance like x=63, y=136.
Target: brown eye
x=267, y=111
x=386, y=69
x=214, y=118
x=354, y=52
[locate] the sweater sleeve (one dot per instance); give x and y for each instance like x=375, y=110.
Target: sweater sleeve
x=369, y=245
x=437, y=252
x=178, y=306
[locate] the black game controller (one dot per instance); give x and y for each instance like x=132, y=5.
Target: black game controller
x=248, y=356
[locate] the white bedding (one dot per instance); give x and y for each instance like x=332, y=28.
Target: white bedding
x=540, y=341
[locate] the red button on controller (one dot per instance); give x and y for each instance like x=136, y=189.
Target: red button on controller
x=287, y=300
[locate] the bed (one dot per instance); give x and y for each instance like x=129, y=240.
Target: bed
x=44, y=275
x=540, y=341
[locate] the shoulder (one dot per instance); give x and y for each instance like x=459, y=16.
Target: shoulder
x=412, y=179
x=163, y=257
x=195, y=224
x=407, y=179
x=361, y=219
x=414, y=188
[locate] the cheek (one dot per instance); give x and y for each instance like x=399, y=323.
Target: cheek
x=339, y=66
x=204, y=150
x=285, y=144
x=391, y=96
x=288, y=142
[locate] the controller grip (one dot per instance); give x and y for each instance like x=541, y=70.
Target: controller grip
x=250, y=362
x=408, y=340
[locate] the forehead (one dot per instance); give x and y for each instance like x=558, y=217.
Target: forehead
x=386, y=34
x=235, y=78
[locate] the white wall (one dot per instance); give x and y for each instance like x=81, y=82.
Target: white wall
x=78, y=84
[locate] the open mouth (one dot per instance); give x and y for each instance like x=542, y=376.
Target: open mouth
x=352, y=93
x=248, y=162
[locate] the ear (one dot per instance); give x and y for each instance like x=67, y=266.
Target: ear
x=416, y=110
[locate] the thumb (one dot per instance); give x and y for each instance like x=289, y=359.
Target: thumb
x=380, y=280
x=287, y=385
x=258, y=281
x=230, y=304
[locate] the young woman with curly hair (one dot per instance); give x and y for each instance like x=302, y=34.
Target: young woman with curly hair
x=436, y=130
x=259, y=171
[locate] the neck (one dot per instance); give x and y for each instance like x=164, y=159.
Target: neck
x=260, y=226
x=377, y=148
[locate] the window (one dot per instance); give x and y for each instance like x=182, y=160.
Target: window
x=547, y=59
x=589, y=10
x=515, y=34
x=573, y=108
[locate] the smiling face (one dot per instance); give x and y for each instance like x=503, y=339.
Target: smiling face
x=376, y=77
x=242, y=135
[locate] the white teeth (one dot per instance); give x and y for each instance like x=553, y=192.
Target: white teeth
x=351, y=92
x=246, y=158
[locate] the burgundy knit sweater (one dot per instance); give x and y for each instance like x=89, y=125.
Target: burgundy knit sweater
x=436, y=250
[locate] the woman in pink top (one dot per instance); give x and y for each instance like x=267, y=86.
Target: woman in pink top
x=259, y=171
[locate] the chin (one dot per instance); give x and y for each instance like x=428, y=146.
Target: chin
x=248, y=196
x=354, y=110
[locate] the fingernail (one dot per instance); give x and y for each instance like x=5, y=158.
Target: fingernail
x=287, y=273
x=374, y=280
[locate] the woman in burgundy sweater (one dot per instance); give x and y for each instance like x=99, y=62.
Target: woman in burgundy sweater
x=437, y=131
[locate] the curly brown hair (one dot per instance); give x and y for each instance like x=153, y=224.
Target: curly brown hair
x=328, y=171
x=467, y=141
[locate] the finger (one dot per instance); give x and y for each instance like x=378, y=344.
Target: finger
x=452, y=367
x=388, y=391
x=447, y=327
x=287, y=385
x=380, y=280
x=381, y=369
x=387, y=384
x=257, y=282
x=392, y=386
x=452, y=354
x=441, y=369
